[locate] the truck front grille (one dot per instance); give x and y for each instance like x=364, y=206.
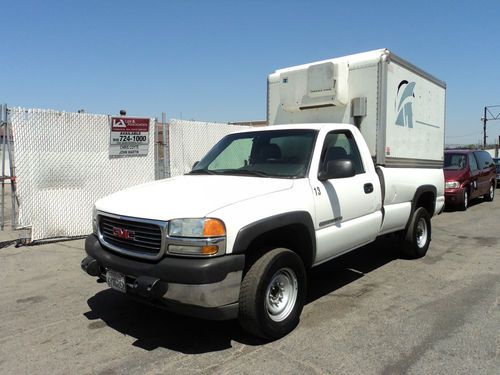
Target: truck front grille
x=131, y=236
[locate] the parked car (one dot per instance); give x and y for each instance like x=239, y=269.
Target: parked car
x=497, y=165
x=468, y=174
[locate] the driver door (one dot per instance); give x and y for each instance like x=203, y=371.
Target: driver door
x=347, y=209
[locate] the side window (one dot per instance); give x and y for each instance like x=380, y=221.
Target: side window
x=483, y=159
x=341, y=145
x=472, y=163
x=488, y=160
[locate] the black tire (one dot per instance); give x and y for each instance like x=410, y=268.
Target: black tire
x=414, y=243
x=257, y=291
x=491, y=193
x=465, y=201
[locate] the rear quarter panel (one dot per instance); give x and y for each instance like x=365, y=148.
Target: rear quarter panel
x=401, y=185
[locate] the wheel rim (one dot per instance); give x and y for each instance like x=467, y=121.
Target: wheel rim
x=466, y=199
x=281, y=294
x=492, y=191
x=422, y=233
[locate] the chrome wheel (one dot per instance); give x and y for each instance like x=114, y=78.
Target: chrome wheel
x=281, y=294
x=466, y=199
x=492, y=191
x=421, y=232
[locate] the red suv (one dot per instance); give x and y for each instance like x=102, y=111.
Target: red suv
x=468, y=174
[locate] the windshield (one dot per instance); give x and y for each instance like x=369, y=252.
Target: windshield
x=455, y=161
x=275, y=153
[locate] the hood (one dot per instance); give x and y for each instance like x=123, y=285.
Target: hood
x=188, y=196
x=455, y=175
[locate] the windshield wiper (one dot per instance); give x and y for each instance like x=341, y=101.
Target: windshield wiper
x=247, y=172
x=201, y=171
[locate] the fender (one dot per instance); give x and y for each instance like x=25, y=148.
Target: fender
x=251, y=231
x=418, y=193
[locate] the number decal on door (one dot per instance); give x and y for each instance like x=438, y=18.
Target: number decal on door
x=317, y=190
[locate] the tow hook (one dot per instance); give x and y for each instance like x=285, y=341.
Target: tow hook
x=149, y=287
x=91, y=266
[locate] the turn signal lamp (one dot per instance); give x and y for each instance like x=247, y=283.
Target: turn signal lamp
x=213, y=228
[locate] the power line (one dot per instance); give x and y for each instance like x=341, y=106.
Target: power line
x=463, y=135
x=494, y=115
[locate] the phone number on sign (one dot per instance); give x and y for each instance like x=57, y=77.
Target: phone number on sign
x=132, y=138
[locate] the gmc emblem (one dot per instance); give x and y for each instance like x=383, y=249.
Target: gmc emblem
x=123, y=233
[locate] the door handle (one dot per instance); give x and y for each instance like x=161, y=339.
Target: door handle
x=368, y=188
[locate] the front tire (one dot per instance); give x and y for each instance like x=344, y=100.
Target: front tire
x=465, y=201
x=272, y=294
x=416, y=239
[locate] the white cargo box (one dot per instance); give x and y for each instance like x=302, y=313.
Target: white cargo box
x=399, y=108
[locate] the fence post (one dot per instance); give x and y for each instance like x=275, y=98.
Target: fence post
x=157, y=150
x=13, y=190
x=166, y=153
x=3, y=122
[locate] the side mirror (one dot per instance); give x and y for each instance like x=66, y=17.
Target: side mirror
x=341, y=168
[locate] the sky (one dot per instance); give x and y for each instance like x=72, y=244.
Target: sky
x=209, y=60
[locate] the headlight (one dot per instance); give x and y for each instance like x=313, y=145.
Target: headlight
x=197, y=228
x=196, y=237
x=451, y=185
x=94, y=220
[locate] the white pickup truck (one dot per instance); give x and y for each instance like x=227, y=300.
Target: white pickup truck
x=234, y=238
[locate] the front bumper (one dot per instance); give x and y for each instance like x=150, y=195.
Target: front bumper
x=207, y=288
x=454, y=196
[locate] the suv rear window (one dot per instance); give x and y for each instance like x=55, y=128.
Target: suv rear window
x=455, y=161
x=484, y=160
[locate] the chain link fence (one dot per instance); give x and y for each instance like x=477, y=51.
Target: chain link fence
x=189, y=141
x=63, y=166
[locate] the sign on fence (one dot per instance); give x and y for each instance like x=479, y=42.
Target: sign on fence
x=129, y=136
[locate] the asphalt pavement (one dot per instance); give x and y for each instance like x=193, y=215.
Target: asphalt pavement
x=368, y=312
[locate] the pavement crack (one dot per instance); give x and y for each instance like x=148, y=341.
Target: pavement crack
x=448, y=318
x=308, y=365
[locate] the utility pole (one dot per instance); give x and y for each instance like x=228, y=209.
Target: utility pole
x=494, y=114
x=485, y=120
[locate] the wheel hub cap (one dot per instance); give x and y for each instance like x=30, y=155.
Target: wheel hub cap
x=281, y=294
x=421, y=233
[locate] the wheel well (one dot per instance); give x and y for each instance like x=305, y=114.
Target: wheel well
x=295, y=237
x=427, y=200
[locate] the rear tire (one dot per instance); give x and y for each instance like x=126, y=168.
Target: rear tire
x=272, y=294
x=491, y=193
x=416, y=239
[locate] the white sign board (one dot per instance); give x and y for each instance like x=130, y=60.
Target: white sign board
x=129, y=136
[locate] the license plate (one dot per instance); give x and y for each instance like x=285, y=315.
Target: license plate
x=116, y=281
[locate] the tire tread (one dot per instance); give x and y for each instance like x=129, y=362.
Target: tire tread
x=249, y=315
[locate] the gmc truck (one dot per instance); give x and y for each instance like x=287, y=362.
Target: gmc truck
x=354, y=151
